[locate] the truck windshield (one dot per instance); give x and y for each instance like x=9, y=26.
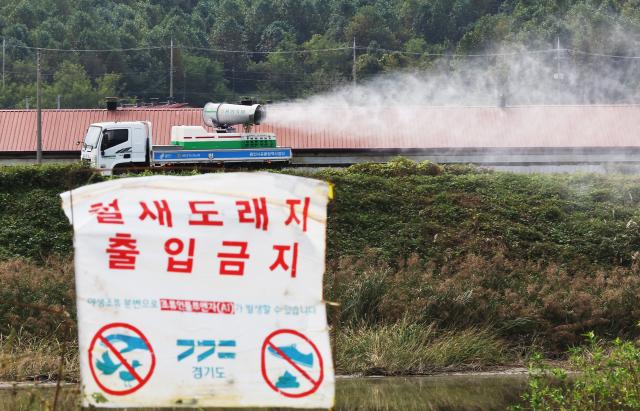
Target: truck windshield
x=92, y=137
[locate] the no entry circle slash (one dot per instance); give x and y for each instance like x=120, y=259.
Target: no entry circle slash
x=268, y=343
x=140, y=380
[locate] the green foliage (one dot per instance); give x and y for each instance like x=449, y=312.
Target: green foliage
x=531, y=257
x=419, y=26
x=201, y=73
x=59, y=177
x=607, y=377
x=33, y=224
x=75, y=89
x=440, y=213
x=71, y=83
x=458, y=265
x=397, y=167
x=417, y=349
x=526, y=303
x=33, y=299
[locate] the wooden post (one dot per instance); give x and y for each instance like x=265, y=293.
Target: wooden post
x=39, y=112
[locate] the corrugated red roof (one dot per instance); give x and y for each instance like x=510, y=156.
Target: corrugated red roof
x=526, y=126
x=62, y=128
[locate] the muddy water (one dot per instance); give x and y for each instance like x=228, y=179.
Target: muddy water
x=457, y=392
x=451, y=392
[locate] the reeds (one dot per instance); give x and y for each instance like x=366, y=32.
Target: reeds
x=28, y=358
x=407, y=347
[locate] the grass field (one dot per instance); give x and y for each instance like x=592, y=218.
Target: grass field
x=459, y=268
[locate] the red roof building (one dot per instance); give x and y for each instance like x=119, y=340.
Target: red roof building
x=433, y=127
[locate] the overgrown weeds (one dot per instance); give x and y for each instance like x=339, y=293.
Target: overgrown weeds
x=527, y=303
x=419, y=252
x=36, y=327
x=607, y=377
x=408, y=347
x=38, y=299
x=24, y=357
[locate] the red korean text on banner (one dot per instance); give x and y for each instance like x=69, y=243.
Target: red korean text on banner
x=122, y=252
x=162, y=212
x=254, y=211
x=232, y=263
x=175, y=247
x=293, y=216
x=203, y=267
x=281, y=260
x=205, y=211
x=107, y=214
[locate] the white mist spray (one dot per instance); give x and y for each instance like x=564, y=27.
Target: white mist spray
x=432, y=102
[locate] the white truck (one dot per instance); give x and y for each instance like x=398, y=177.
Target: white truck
x=117, y=146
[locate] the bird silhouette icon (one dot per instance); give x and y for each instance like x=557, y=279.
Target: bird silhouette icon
x=132, y=342
x=106, y=364
x=126, y=376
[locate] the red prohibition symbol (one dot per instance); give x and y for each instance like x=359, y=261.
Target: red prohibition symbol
x=270, y=346
x=128, y=370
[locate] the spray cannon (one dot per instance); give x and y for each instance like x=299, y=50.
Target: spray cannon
x=223, y=115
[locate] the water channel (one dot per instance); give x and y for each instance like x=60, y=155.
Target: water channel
x=446, y=392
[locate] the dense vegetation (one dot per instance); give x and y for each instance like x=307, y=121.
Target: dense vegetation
x=455, y=267
x=607, y=376
x=316, y=38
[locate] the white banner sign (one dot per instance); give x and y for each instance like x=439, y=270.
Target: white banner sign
x=202, y=291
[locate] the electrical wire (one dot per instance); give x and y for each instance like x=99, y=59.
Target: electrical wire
x=120, y=50
x=265, y=52
x=310, y=82
x=612, y=56
x=326, y=50
x=515, y=53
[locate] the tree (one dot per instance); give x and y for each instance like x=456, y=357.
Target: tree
x=230, y=35
x=489, y=31
x=274, y=34
x=418, y=27
x=73, y=86
x=334, y=64
x=368, y=25
x=367, y=65
x=202, y=80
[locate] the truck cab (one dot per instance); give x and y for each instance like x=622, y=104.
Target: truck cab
x=110, y=145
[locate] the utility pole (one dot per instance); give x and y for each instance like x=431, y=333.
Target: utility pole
x=4, y=46
x=354, y=61
x=557, y=75
x=171, y=72
x=39, y=112
x=58, y=101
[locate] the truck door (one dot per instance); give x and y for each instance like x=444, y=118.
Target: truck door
x=115, y=147
x=139, y=143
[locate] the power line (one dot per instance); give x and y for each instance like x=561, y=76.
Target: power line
x=264, y=52
x=506, y=54
x=217, y=50
x=515, y=53
x=325, y=50
x=118, y=50
x=612, y=56
x=262, y=80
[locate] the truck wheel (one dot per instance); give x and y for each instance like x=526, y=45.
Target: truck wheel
x=122, y=169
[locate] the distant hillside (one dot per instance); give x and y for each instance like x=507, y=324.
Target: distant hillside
x=312, y=41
